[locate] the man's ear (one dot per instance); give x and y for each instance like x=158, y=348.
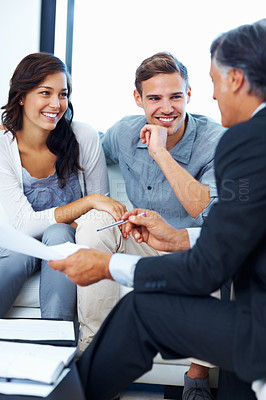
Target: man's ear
x=138, y=99
x=189, y=94
x=236, y=79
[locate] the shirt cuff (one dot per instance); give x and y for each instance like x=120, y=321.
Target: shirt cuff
x=122, y=268
x=52, y=219
x=193, y=234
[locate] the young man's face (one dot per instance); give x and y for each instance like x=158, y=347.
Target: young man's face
x=164, y=99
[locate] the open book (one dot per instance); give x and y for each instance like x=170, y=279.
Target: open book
x=35, y=362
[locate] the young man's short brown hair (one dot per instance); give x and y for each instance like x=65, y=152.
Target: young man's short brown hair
x=159, y=63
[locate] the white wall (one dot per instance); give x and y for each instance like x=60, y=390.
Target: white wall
x=111, y=38
x=20, y=35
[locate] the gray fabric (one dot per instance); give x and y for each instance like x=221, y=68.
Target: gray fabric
x=46, y=193
x=57, y=293
x=15, y=269
x=196, y=389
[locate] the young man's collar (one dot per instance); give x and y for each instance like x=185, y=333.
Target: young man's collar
x=183, y=149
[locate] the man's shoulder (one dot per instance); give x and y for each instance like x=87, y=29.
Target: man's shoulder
x=125, y=131
x=207, y=128
x=251, y=130
x=130, y=122
x=122, y=137
x=206, y=120
x=244, y=140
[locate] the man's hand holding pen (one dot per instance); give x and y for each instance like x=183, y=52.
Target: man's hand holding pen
x=155, y=231
x=89, y=266
x=117, y=223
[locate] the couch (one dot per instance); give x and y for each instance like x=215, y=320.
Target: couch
x=164, y=372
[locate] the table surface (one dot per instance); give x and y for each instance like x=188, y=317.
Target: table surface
x=69, y=389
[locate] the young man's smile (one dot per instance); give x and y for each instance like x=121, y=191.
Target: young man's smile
x=164, y=99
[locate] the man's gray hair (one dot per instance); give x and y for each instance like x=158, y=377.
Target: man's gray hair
x=244, y=48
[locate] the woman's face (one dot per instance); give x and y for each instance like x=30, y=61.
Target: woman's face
x=45, y=105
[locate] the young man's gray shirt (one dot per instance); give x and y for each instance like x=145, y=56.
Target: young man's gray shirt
x=146, y=184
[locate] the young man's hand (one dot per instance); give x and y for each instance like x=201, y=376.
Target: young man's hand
x=156, y=137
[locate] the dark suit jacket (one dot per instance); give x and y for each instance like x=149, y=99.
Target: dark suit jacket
x=232, y=245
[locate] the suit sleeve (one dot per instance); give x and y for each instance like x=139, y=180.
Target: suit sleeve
x=233, y=229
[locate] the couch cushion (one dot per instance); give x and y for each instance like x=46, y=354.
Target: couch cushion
x=24, y=312
x=159, y=360
x=117, y=185
x=29, y=294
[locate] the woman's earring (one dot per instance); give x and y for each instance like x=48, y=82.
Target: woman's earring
x=21, y=102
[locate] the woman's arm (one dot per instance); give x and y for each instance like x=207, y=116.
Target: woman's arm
x=20, y=211
x=72, y=211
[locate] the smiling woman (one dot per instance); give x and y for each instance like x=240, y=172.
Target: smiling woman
x=51, y=173
x=53, y=95
x=43, y=107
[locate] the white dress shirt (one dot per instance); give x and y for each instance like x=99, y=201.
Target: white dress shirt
x=122, y=266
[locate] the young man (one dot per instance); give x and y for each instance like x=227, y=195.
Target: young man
x=171, y=292
x=166, y=158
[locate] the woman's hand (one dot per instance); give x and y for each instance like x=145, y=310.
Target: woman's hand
x=155, y=231
x=104, y=203
x=70, y=212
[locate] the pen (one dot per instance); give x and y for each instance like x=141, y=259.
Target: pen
x=118, y=223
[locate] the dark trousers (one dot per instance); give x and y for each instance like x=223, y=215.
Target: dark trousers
x=230, y=387
x=141, y=325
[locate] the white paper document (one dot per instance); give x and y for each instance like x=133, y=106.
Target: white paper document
x=17, y=241
x=36, y=330
x=31, y=388
x=36, y=362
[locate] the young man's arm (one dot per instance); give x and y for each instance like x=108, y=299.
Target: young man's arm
x=193, y=195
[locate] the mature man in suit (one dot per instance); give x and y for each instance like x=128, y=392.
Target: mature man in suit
x=170, y=310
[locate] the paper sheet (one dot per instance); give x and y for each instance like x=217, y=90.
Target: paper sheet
x=31, y=389
x=17, y=241
x=36, y=329
x=36, y=362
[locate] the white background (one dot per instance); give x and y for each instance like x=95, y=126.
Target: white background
x=20, y=35
x=111, y=39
